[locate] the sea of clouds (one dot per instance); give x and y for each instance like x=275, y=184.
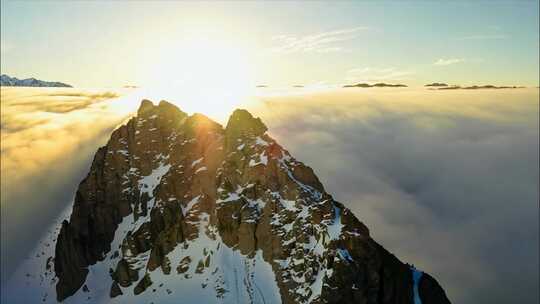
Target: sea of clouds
x=48, y=139
x=447, y=181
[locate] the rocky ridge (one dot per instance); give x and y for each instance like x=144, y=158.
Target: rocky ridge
x=8, y=81
x=376, y=85
x=178, y=207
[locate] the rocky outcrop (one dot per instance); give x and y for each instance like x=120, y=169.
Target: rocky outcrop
x=171, y=193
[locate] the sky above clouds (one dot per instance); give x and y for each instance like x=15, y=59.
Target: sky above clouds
x=99, y=44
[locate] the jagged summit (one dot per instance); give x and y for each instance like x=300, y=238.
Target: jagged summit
x=177, y=207
x=242, y=122
x=165, y=109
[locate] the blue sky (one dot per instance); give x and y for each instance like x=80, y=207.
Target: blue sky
x=275, y=43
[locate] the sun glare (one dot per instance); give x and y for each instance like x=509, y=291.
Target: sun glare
x=201, y=74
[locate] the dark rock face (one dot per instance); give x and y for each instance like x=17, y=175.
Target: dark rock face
x=179, y=178
x=430, y=290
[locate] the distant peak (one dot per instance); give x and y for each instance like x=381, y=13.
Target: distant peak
x=242, y=122
x=6, y=80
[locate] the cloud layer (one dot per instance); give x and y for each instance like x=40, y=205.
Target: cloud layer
x=448, y=182
x=48, y=138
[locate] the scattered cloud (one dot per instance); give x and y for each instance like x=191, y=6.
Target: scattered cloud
x=369, y=74
x=325, y=42
x=448, y=61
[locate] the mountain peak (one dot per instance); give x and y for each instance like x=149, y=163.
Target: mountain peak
x=242, y=123
x=164, y=110
x=174, y=209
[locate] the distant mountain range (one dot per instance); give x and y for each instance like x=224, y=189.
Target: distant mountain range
x=436, y=84
x=8, y=81
x=444, y=86
x=377, y=85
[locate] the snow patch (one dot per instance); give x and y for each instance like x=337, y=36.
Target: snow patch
x=334, y=229
x=200, y=169
x=189, y=205
x=261, y=142
x=195, y=162
x=147, y=184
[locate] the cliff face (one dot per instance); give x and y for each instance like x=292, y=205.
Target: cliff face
x=178, y=207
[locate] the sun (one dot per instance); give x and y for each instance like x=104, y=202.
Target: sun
x=202, y=74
